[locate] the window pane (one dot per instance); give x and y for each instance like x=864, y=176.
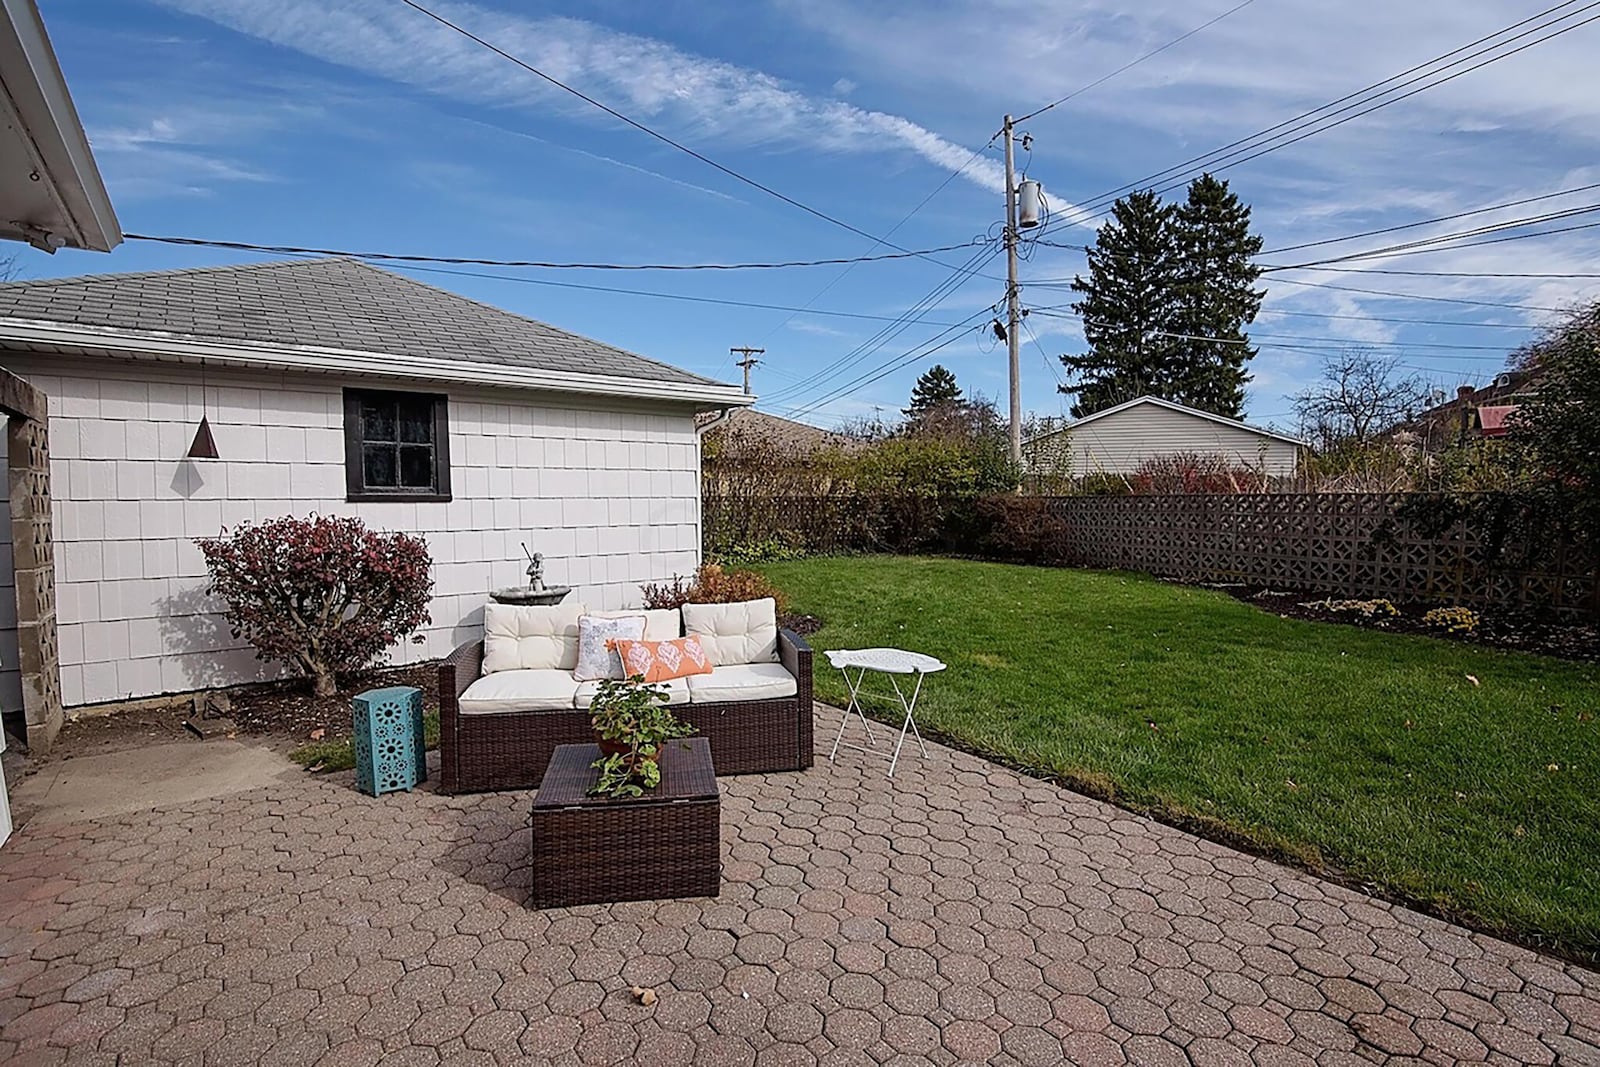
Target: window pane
x=378, y=466
x=416, y=466
x=377, y=420
x=416, y=421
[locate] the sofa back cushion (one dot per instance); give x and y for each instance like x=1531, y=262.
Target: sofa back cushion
x=522, y=638
x=660, y=624
x=746, y=632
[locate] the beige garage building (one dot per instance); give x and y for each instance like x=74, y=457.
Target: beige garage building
x=1119, y=439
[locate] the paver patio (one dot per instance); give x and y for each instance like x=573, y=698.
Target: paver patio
x=962, y=913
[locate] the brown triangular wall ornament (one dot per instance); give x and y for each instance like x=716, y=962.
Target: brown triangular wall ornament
x=204, y=446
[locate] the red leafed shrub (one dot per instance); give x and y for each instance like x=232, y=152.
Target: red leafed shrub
x=713, y=585
x=320, y=594
x=1022, y=529
x=1189, y=472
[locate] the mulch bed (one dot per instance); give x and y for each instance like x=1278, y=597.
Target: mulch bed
x=804, y=625
x=1499, y=629
x=290, y=708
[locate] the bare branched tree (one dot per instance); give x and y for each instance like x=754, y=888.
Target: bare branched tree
x=9, y=268
x=1359, y=395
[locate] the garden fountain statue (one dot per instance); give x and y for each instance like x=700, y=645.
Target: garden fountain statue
x=535, y=592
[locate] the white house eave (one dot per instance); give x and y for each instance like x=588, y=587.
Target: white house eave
x=1185, y=409
x=51, y=192
x=160, y=345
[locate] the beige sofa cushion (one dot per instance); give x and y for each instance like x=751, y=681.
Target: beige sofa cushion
x=677, y=692
x=530, y=638
x=746, y=632
x=660, y=624
x=747, y=681
x=546, y=689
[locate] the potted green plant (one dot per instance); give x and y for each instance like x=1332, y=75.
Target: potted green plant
x=631, y=721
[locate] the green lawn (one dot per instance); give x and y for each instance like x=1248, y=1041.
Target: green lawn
x=1372, y=753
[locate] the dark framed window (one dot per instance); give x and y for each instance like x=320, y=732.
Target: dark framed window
x=396, y=445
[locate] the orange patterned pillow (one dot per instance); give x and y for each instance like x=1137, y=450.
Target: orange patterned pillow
x=661, y=660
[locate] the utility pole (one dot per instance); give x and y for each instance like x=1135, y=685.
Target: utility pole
x=747, y=362
x=1013, y=312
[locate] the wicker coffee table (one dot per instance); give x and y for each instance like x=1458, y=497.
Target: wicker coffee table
x=589, y=850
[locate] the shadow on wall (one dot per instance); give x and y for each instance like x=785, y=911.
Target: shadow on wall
x=470, y=628
x=188, y=479
x=192, y=629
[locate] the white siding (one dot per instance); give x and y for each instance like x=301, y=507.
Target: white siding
x=609, y=494
x=1119, y=442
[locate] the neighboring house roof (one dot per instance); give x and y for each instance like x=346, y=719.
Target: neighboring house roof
x=1170, y=405
x=785, y=434
x=51, y=194
x=336, y=315
x=1492, y=419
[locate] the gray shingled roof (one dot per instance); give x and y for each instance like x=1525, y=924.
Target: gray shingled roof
x=332, y=303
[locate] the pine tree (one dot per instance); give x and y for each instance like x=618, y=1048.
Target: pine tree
x=1216, y=298
x=935, y=389
x=1128, y=307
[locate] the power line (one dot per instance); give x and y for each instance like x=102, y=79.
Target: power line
x=393, y=257
x=952, y=176
x=1412, y=247
x=1417, y=296
x=883, y=370
x=1432, y=221
x=1039, y=111
x=1258, y=339
x=658, y=295
x=642, y=128
x=1135, y=62
x=1260, y=138
x=940, y=292
x=1428, y=244
x=1395, y=319
x=1049, y=364
x=1454, y=273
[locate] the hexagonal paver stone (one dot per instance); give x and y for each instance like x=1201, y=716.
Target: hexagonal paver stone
x=979, y=917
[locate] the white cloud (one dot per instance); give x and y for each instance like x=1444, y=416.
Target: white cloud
x=174, y=153
x=700, y=99
x=844, y=87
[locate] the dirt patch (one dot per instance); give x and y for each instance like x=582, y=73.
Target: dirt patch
x=1517, y=631
x=280, y=714
x=804, y=625
x=290, y=709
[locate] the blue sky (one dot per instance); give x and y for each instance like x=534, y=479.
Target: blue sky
x=363, y=125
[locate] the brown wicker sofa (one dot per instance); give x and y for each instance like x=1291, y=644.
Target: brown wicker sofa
x=510, y=749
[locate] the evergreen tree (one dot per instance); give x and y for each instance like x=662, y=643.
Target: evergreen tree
x=935, y=389
x=1129, y=307
x=1216, y=298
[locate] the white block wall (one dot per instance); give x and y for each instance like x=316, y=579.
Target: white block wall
x=609, y=491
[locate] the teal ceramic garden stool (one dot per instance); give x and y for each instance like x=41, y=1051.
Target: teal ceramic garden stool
x=390, y=751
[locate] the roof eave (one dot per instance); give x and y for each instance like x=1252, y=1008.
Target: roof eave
x=1174, y=406
x=182, y=348
x=45, y=125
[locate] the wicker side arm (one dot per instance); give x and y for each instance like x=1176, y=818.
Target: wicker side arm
x=795, y=655
x=457, y=671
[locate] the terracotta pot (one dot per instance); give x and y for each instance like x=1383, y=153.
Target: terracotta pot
x=618, y=748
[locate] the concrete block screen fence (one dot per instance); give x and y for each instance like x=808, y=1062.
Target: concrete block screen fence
x=1338, y=544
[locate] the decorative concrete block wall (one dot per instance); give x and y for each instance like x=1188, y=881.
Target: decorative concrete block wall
x=608, y=491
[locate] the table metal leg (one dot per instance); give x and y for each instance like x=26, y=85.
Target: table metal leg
x=855, y=706
x=910, y=723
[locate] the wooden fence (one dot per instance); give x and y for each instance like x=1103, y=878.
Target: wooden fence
x=1340, y=544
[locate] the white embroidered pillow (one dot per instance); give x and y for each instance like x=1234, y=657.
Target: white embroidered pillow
x=596, y=658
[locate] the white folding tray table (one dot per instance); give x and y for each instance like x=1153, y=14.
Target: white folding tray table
x=893, y=662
